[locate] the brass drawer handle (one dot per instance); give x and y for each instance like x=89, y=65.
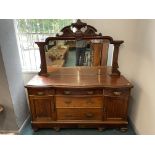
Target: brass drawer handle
x=68, y=102
x=89, y=115
x=66, y=92
x=40, y=93
x=90, y=92
x=117, y=93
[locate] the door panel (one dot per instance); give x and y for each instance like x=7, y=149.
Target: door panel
x=116, y=108
x=42, y=108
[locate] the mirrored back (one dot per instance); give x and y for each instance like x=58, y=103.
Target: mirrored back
x=72, y=53
x=79, y=45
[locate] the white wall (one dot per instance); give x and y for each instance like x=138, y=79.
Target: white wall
x=7, y=117
x=12, y=68
x=142, y=73
x=27, y=76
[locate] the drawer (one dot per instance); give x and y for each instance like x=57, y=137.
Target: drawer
x=80, y=101
x=116, y=92
x=79, y=114
x=40, y=91
x=79, y=91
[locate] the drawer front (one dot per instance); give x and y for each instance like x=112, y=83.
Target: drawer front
x=80, y=101
x=79, y=91
x=79, y=114
x=116, y=92
x=40, y=91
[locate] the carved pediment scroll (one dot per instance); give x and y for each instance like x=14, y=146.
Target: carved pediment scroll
x=78, y=26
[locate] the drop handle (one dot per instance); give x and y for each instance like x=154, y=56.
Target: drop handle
x=117, y=93
x=90, y=92
x=40, y=93
x=67, y=92
x=89, y=115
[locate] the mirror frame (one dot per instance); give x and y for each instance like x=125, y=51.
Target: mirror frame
x=89, y=33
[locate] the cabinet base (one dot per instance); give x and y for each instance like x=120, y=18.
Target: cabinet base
x=35, y=129
x=56, y=129
x=101, y=126
x=124, y=129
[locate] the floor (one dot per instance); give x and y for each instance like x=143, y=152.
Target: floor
x=78, y=131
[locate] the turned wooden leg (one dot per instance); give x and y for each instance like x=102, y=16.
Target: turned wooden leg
x=56, y=129
x=35, y=129
x=123, y=129
x=101, y=129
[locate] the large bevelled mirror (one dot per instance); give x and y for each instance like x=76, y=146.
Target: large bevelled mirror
x=73, y=53
x=79, y=45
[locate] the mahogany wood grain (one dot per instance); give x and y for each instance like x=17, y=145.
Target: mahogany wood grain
x=116, y=108
x=96, y=50
x=79, y=114
x=79, y=77
x=79, y=101
x=41, y=91
x=116, y=92
x=79, y=97
x=42, y=108
x=82, y=91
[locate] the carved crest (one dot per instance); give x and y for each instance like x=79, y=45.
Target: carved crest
x=81, y=30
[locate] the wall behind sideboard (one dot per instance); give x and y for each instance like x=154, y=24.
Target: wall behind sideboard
x=16, y=108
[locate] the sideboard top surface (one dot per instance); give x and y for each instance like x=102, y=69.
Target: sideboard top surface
x=87, y=77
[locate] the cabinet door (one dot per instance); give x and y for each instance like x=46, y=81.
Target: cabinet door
x=116, y=108
x=42, y=108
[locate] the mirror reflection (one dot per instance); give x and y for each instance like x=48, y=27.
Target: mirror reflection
x=70, y=53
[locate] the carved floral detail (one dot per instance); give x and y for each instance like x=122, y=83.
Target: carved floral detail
x=78, y=26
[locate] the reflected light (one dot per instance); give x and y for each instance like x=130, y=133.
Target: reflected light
x=78, y=76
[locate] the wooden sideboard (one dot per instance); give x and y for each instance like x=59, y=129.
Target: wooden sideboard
x=79, y=97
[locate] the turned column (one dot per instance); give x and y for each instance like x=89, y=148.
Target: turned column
x=115, y=66
x=43, y=65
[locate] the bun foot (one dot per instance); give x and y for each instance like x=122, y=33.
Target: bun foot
x=123, y=129
x=57, y=129
x=35, y=129
x=101, y=129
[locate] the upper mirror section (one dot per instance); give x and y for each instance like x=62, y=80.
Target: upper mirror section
x=72, y=53
x=79, y=45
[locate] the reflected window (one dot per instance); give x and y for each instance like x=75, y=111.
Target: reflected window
x=72, y=53
x=31, y=30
